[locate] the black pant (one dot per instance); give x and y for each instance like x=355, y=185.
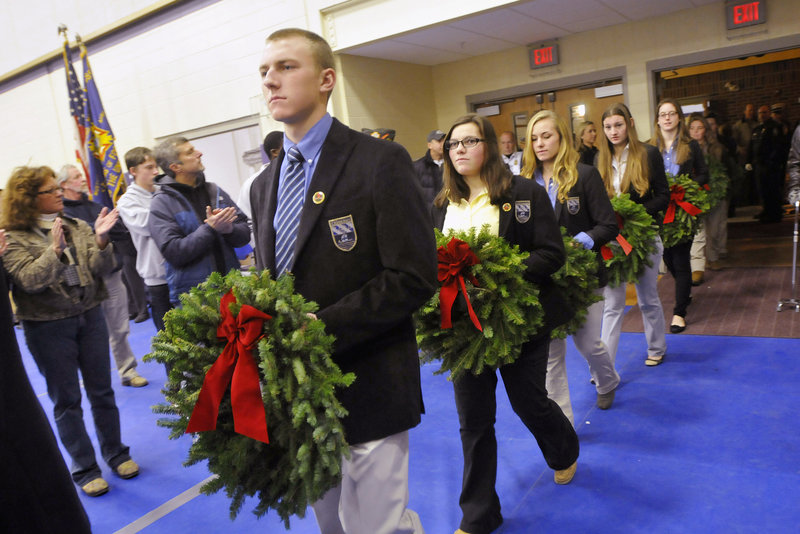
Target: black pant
x=476, y=403
x=679, y=265
x=159, y=303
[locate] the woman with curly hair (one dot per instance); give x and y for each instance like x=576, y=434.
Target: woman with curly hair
x=581, y=206
x=56, y=264
x=629, y=166
x=478, y=190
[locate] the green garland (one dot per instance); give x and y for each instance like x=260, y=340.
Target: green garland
x=306, y=438
x=578, y=281
x=638, y=228
x=684, y=225
x=717, y=182
x=506, y=304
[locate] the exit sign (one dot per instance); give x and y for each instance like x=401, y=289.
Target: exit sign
x=543, y=55
x=740, y=14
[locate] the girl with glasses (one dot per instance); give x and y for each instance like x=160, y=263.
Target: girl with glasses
x=479, y=189
x=581, y=205
x=629, y=166
x=681, y=155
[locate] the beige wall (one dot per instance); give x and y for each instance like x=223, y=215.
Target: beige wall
x=199, y=72
x=389, y=94
x=629, y=45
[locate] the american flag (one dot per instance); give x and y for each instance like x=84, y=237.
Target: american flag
x=77, y=106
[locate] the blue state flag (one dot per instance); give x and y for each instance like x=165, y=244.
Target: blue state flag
x=106, y=181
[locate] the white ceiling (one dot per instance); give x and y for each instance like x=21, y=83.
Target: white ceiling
x=517, y=25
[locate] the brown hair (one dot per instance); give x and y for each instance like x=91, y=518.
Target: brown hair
x=137, y=156
x=682, y=151
x=637, y=170
x=19, y=211
x=494, y=172
x=710, y=145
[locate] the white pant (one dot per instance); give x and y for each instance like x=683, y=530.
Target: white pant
x=115, y=309
x=649, y=303
x=697, y=257
x=587, y=341
x=373, y=495
x=717, y=231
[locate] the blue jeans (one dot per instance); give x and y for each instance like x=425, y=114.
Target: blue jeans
x=61, y=348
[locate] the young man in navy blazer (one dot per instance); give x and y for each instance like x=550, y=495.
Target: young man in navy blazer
x=364, y=250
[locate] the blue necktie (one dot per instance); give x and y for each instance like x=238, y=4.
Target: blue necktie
x=287, y=214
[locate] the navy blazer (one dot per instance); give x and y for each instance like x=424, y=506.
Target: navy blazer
x=538, y=234
x=589, y=210
x=368, y=282
x=656, y=198
x=695, y=165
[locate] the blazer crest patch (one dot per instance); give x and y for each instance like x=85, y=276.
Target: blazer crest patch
x=522, y=210
x=343, y=232
x=573, y=205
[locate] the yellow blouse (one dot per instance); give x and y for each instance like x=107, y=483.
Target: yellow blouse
x=465, y=215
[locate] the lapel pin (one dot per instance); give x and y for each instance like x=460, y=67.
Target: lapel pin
x=506, y=207
x=319, y=197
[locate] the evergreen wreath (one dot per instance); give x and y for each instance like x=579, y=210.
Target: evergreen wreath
x=637, y=233
x=298, y=382
x=680, y=220
x=504, y=302
x=717, y=183
x=578, y=281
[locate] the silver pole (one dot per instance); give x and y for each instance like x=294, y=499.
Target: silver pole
x=793, y=302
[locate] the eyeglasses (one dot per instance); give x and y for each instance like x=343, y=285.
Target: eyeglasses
x=468, y=142
x=50, y=191
x=665, y=114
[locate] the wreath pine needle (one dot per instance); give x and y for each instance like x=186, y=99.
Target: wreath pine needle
x=298, y=384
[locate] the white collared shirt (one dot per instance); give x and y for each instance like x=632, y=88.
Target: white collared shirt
x=618, y=169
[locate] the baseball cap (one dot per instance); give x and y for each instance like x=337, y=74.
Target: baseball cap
x=437, y=135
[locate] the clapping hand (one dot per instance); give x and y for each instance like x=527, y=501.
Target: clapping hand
x=221, y=220
x=59, y=240
x=103, y=224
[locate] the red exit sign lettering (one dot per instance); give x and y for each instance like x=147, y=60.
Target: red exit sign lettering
x=742, y=14
x=543, y=55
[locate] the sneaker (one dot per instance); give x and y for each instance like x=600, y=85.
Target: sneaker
x=136, y=381
x=96, y=487
x=127, y=469
x=564, y=476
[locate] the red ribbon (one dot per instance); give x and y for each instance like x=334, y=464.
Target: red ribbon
x=235, y=366
x=453, y=260
x=606, y=251
x=676, y=199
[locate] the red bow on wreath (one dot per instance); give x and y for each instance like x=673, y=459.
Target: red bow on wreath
x=453, y=260
x=606, y=251
x=676, y=199
x=235, y=366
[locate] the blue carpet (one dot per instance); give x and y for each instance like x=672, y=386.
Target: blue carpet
x=703, y=443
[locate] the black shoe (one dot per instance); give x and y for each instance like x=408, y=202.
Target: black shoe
x=142, y=317
x=676, y=329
